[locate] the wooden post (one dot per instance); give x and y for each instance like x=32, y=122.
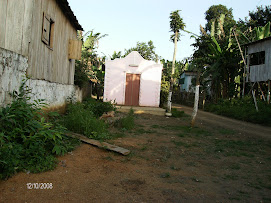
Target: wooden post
x=203, y=100
x=244, y=76
x=244, y=62
x=268, y=95
x=255, y=102
x=196, y=102
x=261, y=91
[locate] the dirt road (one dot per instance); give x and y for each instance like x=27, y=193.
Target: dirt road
x=169, y=162
x=210, y=119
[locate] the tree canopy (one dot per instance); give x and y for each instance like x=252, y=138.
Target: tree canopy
x=257, y=18
x=214, y=13
x=176, y=24
x=146, y=50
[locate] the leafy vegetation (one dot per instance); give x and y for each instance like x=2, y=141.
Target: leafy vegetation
x=83, y=118
x=90, y=66
x=146, y=50
x=29, y=140
x=128, y=122
x=177, y=114
x=242, y=109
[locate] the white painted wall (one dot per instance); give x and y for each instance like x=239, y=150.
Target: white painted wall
x=13, y=68
x=150, y=80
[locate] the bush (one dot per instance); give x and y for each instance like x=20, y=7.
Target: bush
x=177, y=114
x=126, y=123
x=97, y=107
x=243, y=109
x=27, y=140
x=81, y=119
x=164, y=92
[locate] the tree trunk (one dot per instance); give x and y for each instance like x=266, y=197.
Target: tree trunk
x=98, y=93
x=196, y=102
x=172, y=73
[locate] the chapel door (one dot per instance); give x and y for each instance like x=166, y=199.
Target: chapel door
x=132, y=89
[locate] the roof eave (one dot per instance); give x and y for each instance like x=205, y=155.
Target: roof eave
x=66, y=9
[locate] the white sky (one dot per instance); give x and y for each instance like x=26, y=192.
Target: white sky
x=126, y=22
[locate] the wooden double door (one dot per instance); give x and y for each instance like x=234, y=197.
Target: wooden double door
x=132, y=89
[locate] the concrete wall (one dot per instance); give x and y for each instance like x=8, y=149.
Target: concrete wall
x=13, y=68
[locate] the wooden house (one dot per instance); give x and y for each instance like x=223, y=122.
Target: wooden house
x=259, y=60
x=133, y=81
x=44, y=32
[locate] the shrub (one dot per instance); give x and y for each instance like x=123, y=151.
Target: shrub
x=127, y=123
x=176, y=113
x=97, y=107
x=164, y=92
x=243, y=109
x=27, y=140
x=81, y=119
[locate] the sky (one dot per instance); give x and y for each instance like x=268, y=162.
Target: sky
x=127, y=22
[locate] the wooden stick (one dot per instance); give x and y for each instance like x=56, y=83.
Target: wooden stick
x=268, y=97
x=261, y=91
x=99, y=144
x=255, y=101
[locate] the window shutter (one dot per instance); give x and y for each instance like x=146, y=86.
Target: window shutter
x=46, y=29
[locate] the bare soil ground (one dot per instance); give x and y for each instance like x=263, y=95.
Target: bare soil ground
x=169, y=162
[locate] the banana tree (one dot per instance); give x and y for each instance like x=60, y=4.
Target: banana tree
x=261, y=32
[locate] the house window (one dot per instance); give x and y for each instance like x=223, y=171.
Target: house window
x=47, y=31
x=257, y=58
x=181, y=81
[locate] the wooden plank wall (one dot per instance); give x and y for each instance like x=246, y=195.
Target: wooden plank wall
x=52, y=65
x=21, y=30
x=15, y=26
x=261, y=72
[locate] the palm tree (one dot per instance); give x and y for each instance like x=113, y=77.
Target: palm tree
x=176, y=24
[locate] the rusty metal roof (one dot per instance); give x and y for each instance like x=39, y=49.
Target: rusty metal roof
x=66, y=9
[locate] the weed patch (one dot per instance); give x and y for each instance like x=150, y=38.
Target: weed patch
x=28, y=140
x=243, y=109
x=127, y=122
x=177, y=114
x=80, y=119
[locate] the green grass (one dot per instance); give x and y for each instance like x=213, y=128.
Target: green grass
x=225, y=131
x=177, y=114
x=243, y=109
x=127, y=122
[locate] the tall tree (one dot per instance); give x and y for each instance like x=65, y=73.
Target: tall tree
x=146, y=50
x=176, y=25
x=214, y=13
x=260, y=17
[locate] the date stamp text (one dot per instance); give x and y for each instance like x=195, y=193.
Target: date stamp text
x=39, y=186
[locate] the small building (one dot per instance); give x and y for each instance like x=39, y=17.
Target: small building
x=186, y=81
x=259, y=60
x=133, y=81
x=38, y=38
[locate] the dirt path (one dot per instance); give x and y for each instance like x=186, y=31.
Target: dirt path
x=169, y=162
x=210, y=119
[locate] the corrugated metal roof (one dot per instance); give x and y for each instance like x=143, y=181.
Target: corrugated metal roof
x=255, y=42
x=66, y=9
